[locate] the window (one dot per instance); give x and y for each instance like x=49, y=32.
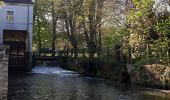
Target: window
x=10, y=16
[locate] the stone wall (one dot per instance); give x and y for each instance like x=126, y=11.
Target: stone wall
x=152, y=75
x=3, y=72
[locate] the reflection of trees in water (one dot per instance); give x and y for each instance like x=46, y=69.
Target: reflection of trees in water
x=64, y=86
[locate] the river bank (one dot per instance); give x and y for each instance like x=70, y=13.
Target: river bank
x=156, y=76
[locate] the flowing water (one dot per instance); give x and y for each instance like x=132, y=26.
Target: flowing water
x=55, y=83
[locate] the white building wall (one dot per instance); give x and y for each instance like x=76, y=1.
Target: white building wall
x=1, y=35
x=20, y=16
x=30, y=27
x=20, y=22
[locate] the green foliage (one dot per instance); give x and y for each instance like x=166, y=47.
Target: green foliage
x=42, y=26
x=146, y=27
x=141, y=27
x=113, y=36
x=1, y=2
x=162, y=27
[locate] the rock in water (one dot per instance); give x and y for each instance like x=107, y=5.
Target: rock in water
x=153, y=75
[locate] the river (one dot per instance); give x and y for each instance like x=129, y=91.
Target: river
x=55, y=83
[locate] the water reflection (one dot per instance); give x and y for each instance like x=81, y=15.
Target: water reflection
x=58, y=84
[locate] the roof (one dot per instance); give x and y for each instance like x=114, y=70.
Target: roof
x=19, y=1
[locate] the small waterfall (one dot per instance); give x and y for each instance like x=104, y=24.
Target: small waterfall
x=43, y=69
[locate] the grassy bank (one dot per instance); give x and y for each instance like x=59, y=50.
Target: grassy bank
x=98, y=67
x=156, y=76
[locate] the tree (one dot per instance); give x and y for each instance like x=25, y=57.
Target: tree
x=91, y=16
x=149, y=25
x=46, y=17
x=55, y=4
x=1, y=2
x=41, y=35
x=71, y=12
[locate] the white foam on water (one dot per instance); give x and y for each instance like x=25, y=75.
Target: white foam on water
x=52, y=70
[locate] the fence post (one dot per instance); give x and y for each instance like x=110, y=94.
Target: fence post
x=129, y=59
x=67, y=52
x=83, y=52
x=118, y=53
x=71, y=52
x=168, y=51
x=147, y=58
x=129, y=55
x=108, y=55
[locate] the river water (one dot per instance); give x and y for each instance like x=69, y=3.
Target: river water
x=55, y=83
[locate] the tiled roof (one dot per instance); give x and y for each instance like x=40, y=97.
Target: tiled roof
x=19, y=1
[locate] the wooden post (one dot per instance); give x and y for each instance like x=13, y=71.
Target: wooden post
x=83, y=52
x=168, y=51
x=108, y=55
x=117, y=50
x=71, y=52
x=67, y=52
x=129, y=55
x=147, y=59
x=129, y=60
x=168, y=55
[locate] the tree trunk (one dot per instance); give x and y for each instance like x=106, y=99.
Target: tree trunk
x=53, y=46
x=39, y=40
x=74, y=44
x=54, y=24
x=99, y=24
x=70, y=25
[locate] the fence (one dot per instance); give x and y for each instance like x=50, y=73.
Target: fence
x=107, y=54
x=137, y=54
x=148, y=54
